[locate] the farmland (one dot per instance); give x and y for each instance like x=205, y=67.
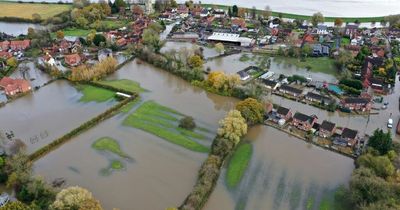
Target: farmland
x=26, y=10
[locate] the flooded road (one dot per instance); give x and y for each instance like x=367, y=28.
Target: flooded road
x=284, y=173
x=28, y=71
x=44, y=115
x=161, y=174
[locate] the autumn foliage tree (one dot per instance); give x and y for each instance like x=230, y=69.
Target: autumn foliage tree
x=338, y=22
x=233, y=126
x=219, y=81
x=75, y=198
x=195, y=61
x=317, y=18
x=251, y=110
x=220, y=48
x=86, y=73
x=60, y=34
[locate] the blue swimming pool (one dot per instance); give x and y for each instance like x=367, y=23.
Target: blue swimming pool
x=336, y=89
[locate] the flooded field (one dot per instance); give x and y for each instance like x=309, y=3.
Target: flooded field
x=207, y=52
x=232, y=64
x=17, y=28
x=284, y=173
x=28, y=71
x=157, y=166
x=44, y=115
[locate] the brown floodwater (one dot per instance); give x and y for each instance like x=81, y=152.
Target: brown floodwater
x=232, y=64
x=44, y=115
x=161, y=174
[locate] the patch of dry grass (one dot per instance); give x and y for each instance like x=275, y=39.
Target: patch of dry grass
x=26, y=10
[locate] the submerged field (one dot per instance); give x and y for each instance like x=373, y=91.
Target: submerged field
x=91, y=93
x=26, y=10
x=323, y=65
x=124, y=84
x=163, y=122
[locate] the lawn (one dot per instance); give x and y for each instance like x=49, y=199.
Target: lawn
x=322, y=64
x=238, y=164
x=26, y=10
x=91, y=93
x=112, y=24
x=76, y=32
x=163, y=122
x=117, y=165
x=109, y=144
x=344, y=41
x=124, y=84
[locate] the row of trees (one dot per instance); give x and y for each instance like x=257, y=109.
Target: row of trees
x=99, y=70
x=83, y=16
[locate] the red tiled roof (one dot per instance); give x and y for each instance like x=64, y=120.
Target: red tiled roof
x=72, y=59
x=20, y=44
x=4, y=54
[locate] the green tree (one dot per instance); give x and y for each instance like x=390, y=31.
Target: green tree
x=173, y=4
x=82, y=22
x=152, y=40
x=235, y=11
x=317, y=18
x=253, y=13
x=343, y=59
x=381, y=141
x=381, y=165
x=195, y=61
x=38, y=192
x=233, y=126
x=98, y=39
x=187, y=123
x=220, y=48
x=120, y=3
x=306, y=50
x=251, y=110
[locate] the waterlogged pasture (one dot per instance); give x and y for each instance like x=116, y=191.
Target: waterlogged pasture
x=163, y=122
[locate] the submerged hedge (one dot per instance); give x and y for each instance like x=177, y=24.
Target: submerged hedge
x=85, y=126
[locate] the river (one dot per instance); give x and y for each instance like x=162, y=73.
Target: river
x=162, y=174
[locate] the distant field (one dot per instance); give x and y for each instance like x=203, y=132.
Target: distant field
x=26, y=10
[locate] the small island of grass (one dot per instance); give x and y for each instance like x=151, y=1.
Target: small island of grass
x=109, y=144
x=124, y=84
x=238, y=164
x=117, y=165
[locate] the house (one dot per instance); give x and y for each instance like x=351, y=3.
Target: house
x=13, y=87
x=183, y=11
x=104, y=53
x=286, y=89
x=357, y=103
x=283, y=113
x=326, y=129
x=314, y=97
x=239, y=22
x=76, y=46
x=48, y=59
x=204, y=13
x=303, y=122
x=349, y=136
x=377, y=85
x=320, y=50
x=243, y=75
x=4, y=46
x=5, y=55
x=72, y=59
x=270, y=84
x=20, y=44
x=322, y=30
x=219, y=13
x=351, y=30
x=121, y=42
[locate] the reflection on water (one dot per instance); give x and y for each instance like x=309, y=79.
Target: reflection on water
x=207, y=52
x=284, y=173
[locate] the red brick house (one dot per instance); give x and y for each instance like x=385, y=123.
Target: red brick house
x=14, y=86
x=5, y=55
x=73, y=59
x=20, y=45
x=303, y=122
x=4, y=46
x=357, y=103
x=240, y=22
x=121, y=42
x=289, y=90
x=326, y=129
x=350, y=136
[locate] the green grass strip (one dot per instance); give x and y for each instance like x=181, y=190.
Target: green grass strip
x=238, y=164
x=91, y=93
x=124, y=84
x=117, y=165
x=109, y=144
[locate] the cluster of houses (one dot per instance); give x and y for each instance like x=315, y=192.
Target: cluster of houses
x=362, y=103
x=309, y=123
x=13, y=48
x=13, y=87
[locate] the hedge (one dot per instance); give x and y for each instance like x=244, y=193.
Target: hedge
x=85, y=126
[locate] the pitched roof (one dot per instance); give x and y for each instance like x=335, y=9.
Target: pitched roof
x=317, y=96
x=269, y=83
x=349, y=133
x=356, y=100
x=291, y=89
x=302, y=117
x=328, y=126
x=282, y=110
